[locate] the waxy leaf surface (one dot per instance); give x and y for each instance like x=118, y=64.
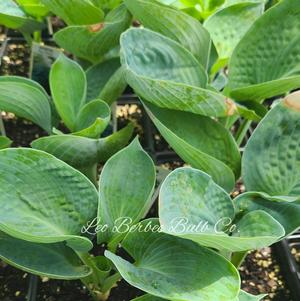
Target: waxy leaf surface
x=266, y=62
x=193, y=207
x=43, y=199
x=175, y=269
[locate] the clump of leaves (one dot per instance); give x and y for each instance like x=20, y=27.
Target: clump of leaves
x=86, y=119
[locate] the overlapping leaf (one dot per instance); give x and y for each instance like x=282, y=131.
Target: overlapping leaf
x=276, y=69
x=14, y=17
x=174, y=24
x=272, y=156
x=228, y=25
x=193, y=207
x=26, y=99
x=164, y=73
x=126, y=186
x=52, y=260
x=201, y=142
x=93, y=41
x=175, y=269
x=75, y=12
x=49, y=201
x=33, y=8
x=105, y=81
x=82, y=152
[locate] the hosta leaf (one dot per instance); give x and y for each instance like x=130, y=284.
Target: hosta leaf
x=272, y=156
x=5, y=142
x=158, y=57
x=228, y=25
x=13, y=17
x=93, y=119
x=75, y=12
x=81, y=152
x=287, y=213
x=167, y=75
x=244, y=296
x=68, y=95
x=33, y=7
x=202, y=142
x=126, y=186
x=49, y=201
x=26, y=99
x=175, y=269
x=52, y=260
x=106, y=80
x=93, y=41
x=174, y=24
x=276, y=69
x=193, y=207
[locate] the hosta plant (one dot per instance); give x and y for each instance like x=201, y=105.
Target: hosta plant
x=191, y=252
x=86, y=119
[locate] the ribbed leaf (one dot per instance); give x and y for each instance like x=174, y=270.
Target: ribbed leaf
x=201, y=142
x=93, y=41
x=14, y=17
x=75, y=12
x=174, y=24
x=272, y=156
x=287, y=213
x=52, y=260
x=5, y=142
x=106, y=81
x=175, y=269
x=193, y=207
x=276, y=69
x=167, y=75
x=49, y=201
x=26, y=99
x=228, y=25
x=68, y=89
x=81, y=152
x=126, y=185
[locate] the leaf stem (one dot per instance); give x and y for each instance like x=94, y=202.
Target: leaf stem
x=242, y=131
x=2, y=127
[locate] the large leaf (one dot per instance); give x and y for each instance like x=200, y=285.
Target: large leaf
x=175, y=269
x=164, y=73
x=75, y=12
x=93, y=41
x=52, y=260
x=287, y=213
x=105, y=80
x=68, y=89
x=272, y=156
x=26, y=99
x=126, y=185
x=202, y=142
x=82, y=152
x=49, y=201
x=228, y=25
x=276, y=69
x=5, y=142
x=14, y=17
x=174, y=24
x=193, y=207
